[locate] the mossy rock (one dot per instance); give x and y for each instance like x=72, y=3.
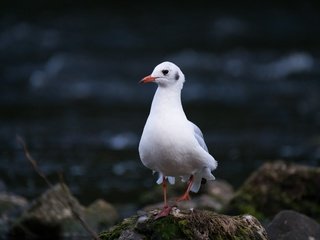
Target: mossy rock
x=11, y=205
x=277, y=186
x=56, y=214
x=9, y=202
x=183, y=224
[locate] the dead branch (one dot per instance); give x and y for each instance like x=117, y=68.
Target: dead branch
x=75, y=213
x=33, y=162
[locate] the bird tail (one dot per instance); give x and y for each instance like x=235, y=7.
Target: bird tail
x=171, y=180
x=205, y=173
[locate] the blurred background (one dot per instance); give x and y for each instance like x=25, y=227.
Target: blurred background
x=69, y=86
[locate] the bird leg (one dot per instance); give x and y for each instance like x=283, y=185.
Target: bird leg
x=166, y=208
x=186, y=195
x=164, y=189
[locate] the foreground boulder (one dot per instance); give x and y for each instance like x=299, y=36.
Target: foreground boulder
x=187, y=224
x=10, y=206
x=10, y=202
x=277, y=186
x=291, y=225
x=58, y=215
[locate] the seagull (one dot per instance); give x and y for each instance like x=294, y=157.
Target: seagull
x=170, y=144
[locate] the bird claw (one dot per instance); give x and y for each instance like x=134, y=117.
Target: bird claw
x=184, y=197
x=164, y=212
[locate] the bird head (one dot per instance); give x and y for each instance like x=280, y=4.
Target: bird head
x=166, y=74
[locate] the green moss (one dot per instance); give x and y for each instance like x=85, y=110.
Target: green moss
x=191, y=225
x=250, y=209
x=243, y=203
x=167, y=228
x=184, y=227
x=115, y=231
x=277, y=186
x=241, y=232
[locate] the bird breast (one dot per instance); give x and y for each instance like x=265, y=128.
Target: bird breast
x=168, y=146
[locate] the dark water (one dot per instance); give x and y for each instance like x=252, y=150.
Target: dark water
x=69, y=87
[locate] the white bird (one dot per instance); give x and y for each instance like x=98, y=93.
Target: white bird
x=170, y=144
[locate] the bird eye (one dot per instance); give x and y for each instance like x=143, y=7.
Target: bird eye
x=165, y=72
x=176, y=77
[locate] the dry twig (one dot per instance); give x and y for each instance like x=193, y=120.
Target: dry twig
x=75, y=213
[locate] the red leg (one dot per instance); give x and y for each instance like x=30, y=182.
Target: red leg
x=166, y=208
x=164, y=189
x=186, y=195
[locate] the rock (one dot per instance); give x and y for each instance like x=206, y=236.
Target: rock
x=217, y=196
x=220, y=190
x=277, y=186
x=10, y=206
x=291, y=225
x=101, y=213
x=9, y=202
x=52, y=216
x=130, y=234
x=187, y=224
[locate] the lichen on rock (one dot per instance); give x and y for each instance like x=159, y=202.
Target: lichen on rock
x=188, y=224
x=277, y=186
x=11, y=205
x=56, y=214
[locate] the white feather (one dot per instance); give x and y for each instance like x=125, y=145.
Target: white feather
x=170, y=144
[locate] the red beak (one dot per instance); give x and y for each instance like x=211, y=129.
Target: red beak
x=147, y=79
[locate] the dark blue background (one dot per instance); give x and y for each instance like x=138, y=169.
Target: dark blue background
x=69, y=86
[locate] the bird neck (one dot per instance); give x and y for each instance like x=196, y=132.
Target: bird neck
x=167, y=99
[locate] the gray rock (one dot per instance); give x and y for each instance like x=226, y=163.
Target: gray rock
x=56, y=214
x=130, y=235
x=10, y=206
x=10, y=201
x=220, y=190
x=100, y=213
x=291, y=225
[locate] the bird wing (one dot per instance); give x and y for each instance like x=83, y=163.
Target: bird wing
x=199, y=136
x=205, y=172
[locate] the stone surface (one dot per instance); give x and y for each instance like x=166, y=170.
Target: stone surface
x=182, y=224
x=8, y=202
x=10, y=206
x=55, y=215
x=100, y=213
x=220, y=190
x=291, y=225
x=130, y=235
x=277, y=186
